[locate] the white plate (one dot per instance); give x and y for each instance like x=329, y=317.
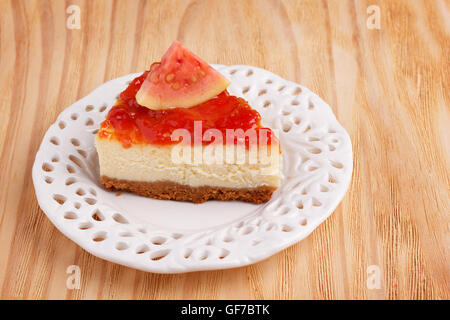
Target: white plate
x=169, y=236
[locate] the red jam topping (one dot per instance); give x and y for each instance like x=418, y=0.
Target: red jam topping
x=132, y=123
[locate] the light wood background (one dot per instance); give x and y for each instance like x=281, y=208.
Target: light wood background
x=389, y=88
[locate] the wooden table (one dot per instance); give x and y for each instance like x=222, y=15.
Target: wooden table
x=389, y=87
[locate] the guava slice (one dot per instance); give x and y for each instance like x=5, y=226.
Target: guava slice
x=181, y=80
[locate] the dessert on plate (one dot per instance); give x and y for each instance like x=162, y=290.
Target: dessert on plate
x=176, y=133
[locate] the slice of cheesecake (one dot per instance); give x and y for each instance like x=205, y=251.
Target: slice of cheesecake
x=216, y=149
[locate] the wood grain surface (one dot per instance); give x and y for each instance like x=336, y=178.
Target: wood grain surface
x=389, y=87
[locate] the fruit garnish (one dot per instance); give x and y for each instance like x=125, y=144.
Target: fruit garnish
x=180, y=80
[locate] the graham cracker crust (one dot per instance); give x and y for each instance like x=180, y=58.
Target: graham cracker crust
x=168, y=190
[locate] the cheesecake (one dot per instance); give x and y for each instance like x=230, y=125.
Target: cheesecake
x=204, y=145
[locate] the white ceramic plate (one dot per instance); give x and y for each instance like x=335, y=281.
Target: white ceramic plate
x=169, y=236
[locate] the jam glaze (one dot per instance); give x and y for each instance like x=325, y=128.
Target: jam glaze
x=131, y=123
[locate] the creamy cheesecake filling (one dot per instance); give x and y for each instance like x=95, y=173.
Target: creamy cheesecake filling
x=151, y=163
